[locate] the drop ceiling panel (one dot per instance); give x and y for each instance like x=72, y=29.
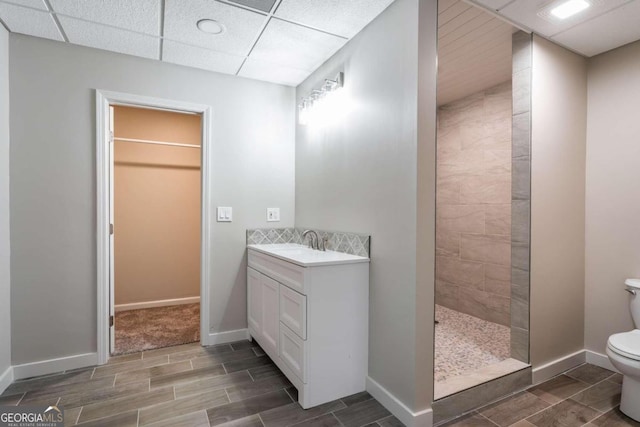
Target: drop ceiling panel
x=140, y=15
x=262, y=70
x=29, y=21
x=191, y=56
x=37, y=4
x=263, y=5
x=295, y=46
x=343, y=18
x=525, y=12
x=242, y=26
x=109, y=38
x=606, y=32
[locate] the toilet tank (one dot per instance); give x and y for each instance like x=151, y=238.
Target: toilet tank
x=634, y=286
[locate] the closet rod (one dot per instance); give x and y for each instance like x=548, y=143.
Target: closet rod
x=147, y=141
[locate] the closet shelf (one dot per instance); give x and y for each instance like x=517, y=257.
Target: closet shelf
x=147, y=141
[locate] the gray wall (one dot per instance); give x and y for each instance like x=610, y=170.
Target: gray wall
x=53, y=183
x=360, y=175
x=613, y=205
x=5, y=298
x=558, y=150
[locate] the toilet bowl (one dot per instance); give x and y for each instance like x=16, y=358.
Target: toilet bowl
x=623, y=350
x=624, y=353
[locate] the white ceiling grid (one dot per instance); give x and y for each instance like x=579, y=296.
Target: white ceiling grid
x=281, y=41
x=30, y=21
x=605, y=25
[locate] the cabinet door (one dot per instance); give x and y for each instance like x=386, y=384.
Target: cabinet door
x=254, y=302
x=270, y=314
x=293, y=311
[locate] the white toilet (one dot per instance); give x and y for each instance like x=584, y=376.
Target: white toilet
x=624, y=353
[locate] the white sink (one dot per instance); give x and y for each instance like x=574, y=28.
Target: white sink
x=306, y=257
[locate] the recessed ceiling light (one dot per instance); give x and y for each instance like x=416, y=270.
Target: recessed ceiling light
x=210, y=26
x=569, y=8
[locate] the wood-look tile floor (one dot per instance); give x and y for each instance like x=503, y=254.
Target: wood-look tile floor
x=232, y=385
x=585, y=396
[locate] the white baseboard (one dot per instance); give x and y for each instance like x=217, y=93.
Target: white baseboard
x=159, y=303
x=397, y=408
x=53, y=366
x=601, y=360
x=558, y=366
x=6, y=379
x=226, y=337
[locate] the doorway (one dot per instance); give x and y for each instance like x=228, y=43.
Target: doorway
x=153, y=228
x=481, y=217
x=156, y=237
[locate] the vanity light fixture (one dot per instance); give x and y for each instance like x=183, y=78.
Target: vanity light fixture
x=569, y=8
x=210, y=26
x=319, y=105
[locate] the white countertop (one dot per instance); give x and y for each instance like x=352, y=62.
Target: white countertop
x=303, y=256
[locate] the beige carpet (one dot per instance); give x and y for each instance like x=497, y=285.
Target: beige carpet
x=149, y=328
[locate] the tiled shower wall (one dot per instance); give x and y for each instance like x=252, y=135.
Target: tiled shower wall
x=473, y=206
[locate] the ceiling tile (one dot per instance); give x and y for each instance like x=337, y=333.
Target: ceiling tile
x=604, y=33
x=525, y=12
x=36, y=4
x=242, y=26
x=263, y=5
x=262, y=70
x=140, y=15
x=191, y=56
x=29, y=21
x=109, y=38
x=492, y=4
x=291, y=45
x=344, y=18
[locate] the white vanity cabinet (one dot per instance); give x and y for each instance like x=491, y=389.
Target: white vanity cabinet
x=309, y=311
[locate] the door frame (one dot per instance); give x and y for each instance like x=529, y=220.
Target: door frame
x=104, y=99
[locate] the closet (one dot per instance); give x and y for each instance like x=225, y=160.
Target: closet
x=157, y=205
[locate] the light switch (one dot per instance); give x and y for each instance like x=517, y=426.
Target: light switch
x=225, y=214
x=273, y=214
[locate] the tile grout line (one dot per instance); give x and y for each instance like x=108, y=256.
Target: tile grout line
x=557, y=403
x=260, y=418
x=563, y=400
x=78, y=417
x=490, y=420
x=21, y=398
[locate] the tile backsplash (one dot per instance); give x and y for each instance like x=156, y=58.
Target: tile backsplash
x=349, y=243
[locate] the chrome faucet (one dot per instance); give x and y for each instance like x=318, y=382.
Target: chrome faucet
x=313, y=239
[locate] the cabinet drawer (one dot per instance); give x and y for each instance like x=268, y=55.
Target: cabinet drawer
x=293, y=352
x=284, y=272
x=293, y=311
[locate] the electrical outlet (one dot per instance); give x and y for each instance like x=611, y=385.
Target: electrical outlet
x=273, y=214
